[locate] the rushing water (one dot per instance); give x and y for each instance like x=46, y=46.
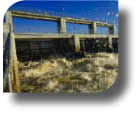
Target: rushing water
x=94, y=73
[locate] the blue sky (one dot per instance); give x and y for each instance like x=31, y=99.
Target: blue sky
x=90, y=10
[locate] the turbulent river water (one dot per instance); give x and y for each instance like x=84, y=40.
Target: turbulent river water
x=95, y=72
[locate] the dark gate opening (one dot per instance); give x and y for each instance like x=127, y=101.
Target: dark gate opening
x=98, y=45
x=37, y=49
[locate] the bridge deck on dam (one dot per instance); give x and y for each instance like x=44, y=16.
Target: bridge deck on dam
x=58, y=36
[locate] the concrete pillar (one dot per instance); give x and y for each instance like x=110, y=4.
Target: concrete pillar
x=5, y=33
x=7, y=26
x=14, y=65
x=8, y=19
x=77, y=43
x=112, y=30
x=92, y=28
x=110, y=42
x=62, y=26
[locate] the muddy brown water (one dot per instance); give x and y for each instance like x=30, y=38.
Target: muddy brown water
x=96, y=72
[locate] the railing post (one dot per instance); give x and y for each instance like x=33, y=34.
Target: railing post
x=92, y=28
x=62, y=26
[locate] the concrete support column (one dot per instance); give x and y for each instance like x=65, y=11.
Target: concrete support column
x=110, y=42
x=77, y=43
x=5, y=33
x=8, y=18
x=112, y=29
x=62, y=26
x=7, y=26
x=14, y=65
x=92, y=28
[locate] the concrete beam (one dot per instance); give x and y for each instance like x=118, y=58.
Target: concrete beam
x=58, y=36
x=36, y=36
x=34, y=16
x=77, y=21
x=102, y=24
x=55, y=18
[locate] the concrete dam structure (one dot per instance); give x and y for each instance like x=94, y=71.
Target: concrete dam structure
x=35, y=46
